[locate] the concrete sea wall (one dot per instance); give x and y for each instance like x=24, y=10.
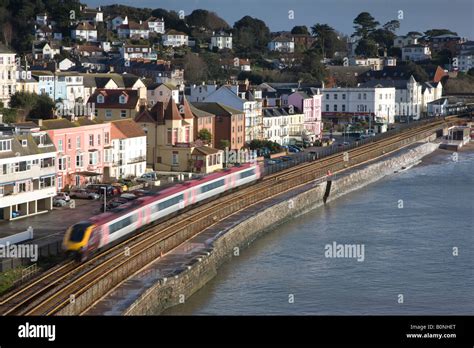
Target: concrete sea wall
x=168, y=292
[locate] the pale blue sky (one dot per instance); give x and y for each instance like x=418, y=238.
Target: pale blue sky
x=419, y=15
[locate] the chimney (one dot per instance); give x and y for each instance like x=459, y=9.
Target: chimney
x=40, y=122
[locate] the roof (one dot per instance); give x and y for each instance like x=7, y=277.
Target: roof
x=283, y=39
x=199, y=113
x=217, y=108
x=205, y=150
x=32, y=148
x=85, y=26
x=123, y=129
x=175, y=32
x=62, y=123
x=112, y=98
x=134, y=26
x=275, y=112
x=398, y=84
x=100, y=80
x=154, y=85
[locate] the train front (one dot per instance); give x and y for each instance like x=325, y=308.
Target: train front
x=76, y=238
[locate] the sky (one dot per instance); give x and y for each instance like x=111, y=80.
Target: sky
x=417, y=15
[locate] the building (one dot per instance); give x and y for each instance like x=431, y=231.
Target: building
x=25, y=82
x=8, y=69
x=156, y=25
x=113, y=81
x=303, y=40
x=221, y=41
x=45, y=50
x=136, y=52
x=126, y=158
x=161, y=92
x=408, y=96
x=402, y=72
x=175, y=38
x=197, y=93
x=431, y=91
x=133, y=30
x=405, y=40
x=80, y=145
x=205, y=120
x=374, y=104
x=416, y=52
x=115, y=104
x=446, y=41
x=160, y=71
x=171, y=145
x=67, y=87
x=118, y=21
x=27, y=173
x=84, y=31
x=246, y=103
x=465, y=60
x=93, y=16
x=376, y=63
x=229, y=124
x=282, y=44
x=309, y=103
x=281, y=125
x=42, y=19
x=66, y=64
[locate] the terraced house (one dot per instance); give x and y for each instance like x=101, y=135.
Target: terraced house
x=7, y=74
x=115, y=104
x=27, y=172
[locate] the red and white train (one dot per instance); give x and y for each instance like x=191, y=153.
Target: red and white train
x=100, y=231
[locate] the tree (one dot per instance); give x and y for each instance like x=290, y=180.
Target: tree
x=328, y=42
x=224, y=144
x=195, y=68
x=44, y=108
x=300, y=30
x=417, y=71
x=250, y=35
x=172, y=20
x=384, y=38
x=364, y=24
x=206, y=19
x=437, y=32
x=205, y=135
x=471, y=72
x=32, y=105
x=392, y=25
x=367, y=48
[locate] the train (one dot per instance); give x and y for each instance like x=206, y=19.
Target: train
x=99, y=232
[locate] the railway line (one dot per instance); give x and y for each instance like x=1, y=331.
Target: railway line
x=71, y=288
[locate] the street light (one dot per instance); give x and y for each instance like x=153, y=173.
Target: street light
x=105, y=198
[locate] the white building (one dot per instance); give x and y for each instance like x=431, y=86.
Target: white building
x=136, y=51
x=405, y=40
x=376, y=63
x=162, y=92
x=282, y=44
x=156, y=25
x=221, y=40
x=279, y=125
x=8, y=69
x=65, y=86
x=128, y=153
x=84, y=31
x=42, y=19
x=175, y=38
x=431, y=91
x=66, y=64
x=27, y=172
x=133, y=30
x=377, y=103
x=197, y=93
x=118, y=21
x=416, y=52
x=45, y=50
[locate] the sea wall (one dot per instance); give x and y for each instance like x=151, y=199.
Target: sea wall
x=168, y=292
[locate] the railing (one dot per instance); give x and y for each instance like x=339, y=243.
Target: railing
x=18, y=237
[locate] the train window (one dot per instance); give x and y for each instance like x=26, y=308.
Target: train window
x=247, y=173
x=116, y=226
x=168, y=203
x=78, y=230
x=212, y=186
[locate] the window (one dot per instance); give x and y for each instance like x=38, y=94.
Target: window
x=122, y=99
x=121, y=224
x=327, y=96
x=78, y=142
x=24, y=142
x=6, y=145
x=91, y=139
x=175, y=135
x=98, y=139
x=365, y=96
x=79, y=160
x=343, y=108
x=107, y=137
x=327, y=107
x=186, y=134
x=247, y=173
x=344, y=96
x=335, y=96
x=62, y=163
x=100, y=99
x=93, y=158
x=60, y=145
x=175, y=159
x=359, y=96
x=167, y=203
x=212, y=186
x=108, y=113
x=123, y=113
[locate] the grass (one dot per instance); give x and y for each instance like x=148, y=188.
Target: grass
x=8, y=278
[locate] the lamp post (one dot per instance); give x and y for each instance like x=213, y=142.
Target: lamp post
x=105, y=198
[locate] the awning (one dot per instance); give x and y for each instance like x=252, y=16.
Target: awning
x=87, y=173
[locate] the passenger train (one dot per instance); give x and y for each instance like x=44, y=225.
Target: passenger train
x=99, y=232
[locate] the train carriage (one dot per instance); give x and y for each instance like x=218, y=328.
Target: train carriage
x=99, y=232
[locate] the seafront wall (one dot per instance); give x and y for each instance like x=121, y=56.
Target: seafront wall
x=168, y=292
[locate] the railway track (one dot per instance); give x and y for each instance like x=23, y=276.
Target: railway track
x=70, y=284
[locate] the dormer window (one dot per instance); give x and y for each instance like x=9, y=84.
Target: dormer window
x=100, y=99
x=24, y=142
x=123, y=99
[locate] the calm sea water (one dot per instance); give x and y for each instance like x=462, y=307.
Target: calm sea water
x=408, y=251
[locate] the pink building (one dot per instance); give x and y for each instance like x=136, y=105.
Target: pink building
x=80, y=145
x=309, y=103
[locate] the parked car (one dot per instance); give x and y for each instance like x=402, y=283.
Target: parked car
x=59, y=202
x=293, y=149
x=148, y=177
x=64, y=196
x=84, y=194
x=99, y=189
